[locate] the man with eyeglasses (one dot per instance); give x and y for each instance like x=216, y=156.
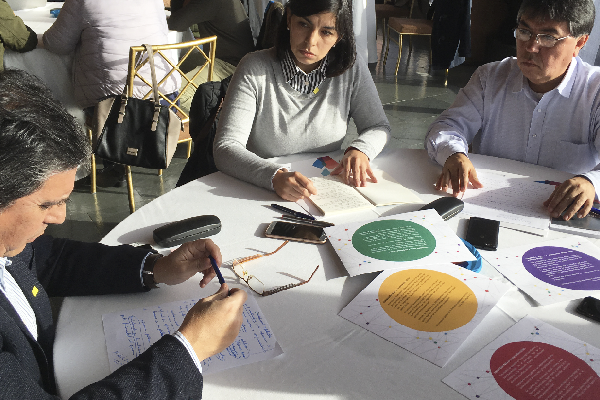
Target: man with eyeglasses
x=542, y=107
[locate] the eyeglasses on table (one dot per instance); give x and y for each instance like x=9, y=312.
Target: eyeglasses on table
x=255, y=284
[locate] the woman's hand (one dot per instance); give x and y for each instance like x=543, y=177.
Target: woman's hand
x=292, y=186
x=354, y=168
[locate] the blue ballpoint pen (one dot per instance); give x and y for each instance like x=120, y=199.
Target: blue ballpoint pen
x=294, y=213
x=217, y=271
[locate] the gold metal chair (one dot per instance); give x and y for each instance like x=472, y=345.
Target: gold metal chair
x=133, y=75
x=407, y=26
x=385, y=11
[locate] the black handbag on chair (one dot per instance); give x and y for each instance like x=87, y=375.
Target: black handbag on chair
x=136, y=132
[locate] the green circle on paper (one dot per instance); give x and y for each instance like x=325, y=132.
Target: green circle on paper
x=393, y=240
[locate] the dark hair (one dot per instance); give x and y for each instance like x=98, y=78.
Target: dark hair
x=578, y=14
x=38, y=137
x=342, y=56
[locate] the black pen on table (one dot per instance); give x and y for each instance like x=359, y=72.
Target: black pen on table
x=307, y=221
x=289, y=211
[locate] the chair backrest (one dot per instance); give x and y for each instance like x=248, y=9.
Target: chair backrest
x=268, y=30
x=138, y=58
x=412, y=6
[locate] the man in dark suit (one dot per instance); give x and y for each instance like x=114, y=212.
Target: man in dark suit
x=40, y=149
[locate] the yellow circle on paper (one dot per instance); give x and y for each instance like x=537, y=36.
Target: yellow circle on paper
x=426, y=300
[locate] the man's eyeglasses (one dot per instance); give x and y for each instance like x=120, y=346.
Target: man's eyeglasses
x=256, y=284
x=542, y=39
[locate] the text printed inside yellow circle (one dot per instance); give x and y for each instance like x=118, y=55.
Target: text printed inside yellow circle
x=426, y=300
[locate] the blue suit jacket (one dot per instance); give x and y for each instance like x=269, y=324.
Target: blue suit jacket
x=61, y=267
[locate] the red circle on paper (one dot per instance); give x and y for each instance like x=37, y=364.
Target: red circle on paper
x=538, y=371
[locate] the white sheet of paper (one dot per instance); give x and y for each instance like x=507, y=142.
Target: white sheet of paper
x=509, y=198
x=129, y=333
x=552, y=271
x=387, y=191
x=416, y=238
x=530, y=360
x=334, y=197
x=430, y=311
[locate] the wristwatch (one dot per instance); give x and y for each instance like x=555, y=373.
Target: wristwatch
x=148, y=271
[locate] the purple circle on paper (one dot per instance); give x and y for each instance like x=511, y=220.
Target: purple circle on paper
x=563, y=267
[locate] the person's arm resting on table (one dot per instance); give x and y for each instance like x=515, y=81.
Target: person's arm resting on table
x=209, y=327
x=451, y=133
x=372, y=126
x=458, y=172
x=573, y=196
x=576, y=196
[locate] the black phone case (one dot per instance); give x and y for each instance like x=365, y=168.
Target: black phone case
x=186, y=230
x=483, y=233
x=590, y=308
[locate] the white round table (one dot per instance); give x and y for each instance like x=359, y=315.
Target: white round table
x=325, y=356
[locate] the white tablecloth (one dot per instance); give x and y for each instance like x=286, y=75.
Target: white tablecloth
x=326, y=357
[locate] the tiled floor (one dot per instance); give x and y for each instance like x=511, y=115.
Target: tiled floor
x=411, y=101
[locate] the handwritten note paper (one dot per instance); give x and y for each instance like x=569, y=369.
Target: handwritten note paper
x=335, y=197
x=509, y=198
x=129, y=333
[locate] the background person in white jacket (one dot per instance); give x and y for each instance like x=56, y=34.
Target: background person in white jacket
x=100, y=33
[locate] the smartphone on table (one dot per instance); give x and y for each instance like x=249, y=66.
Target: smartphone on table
x=297, y=232
x=589, y=307
x=482, y=233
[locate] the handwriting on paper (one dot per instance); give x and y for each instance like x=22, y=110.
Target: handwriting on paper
x=509, y=198
x=129, y=333
x=335, y=196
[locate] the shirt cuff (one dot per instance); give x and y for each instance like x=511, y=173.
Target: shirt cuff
x=179, y=336
x=443, y=144
x=594, y=178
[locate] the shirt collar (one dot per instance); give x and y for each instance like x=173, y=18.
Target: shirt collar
x=4, y=262
x=290, y=69
x=565, y=86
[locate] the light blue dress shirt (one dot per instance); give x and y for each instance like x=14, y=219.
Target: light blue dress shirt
x=559, y=131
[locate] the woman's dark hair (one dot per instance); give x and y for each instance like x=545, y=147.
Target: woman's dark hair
x=38, y=137
x=578, y=14
x=343, y=55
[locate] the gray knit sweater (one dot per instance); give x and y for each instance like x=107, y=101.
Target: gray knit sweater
x=264, y=117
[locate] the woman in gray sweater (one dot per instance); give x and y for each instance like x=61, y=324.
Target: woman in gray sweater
x=298, y=97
